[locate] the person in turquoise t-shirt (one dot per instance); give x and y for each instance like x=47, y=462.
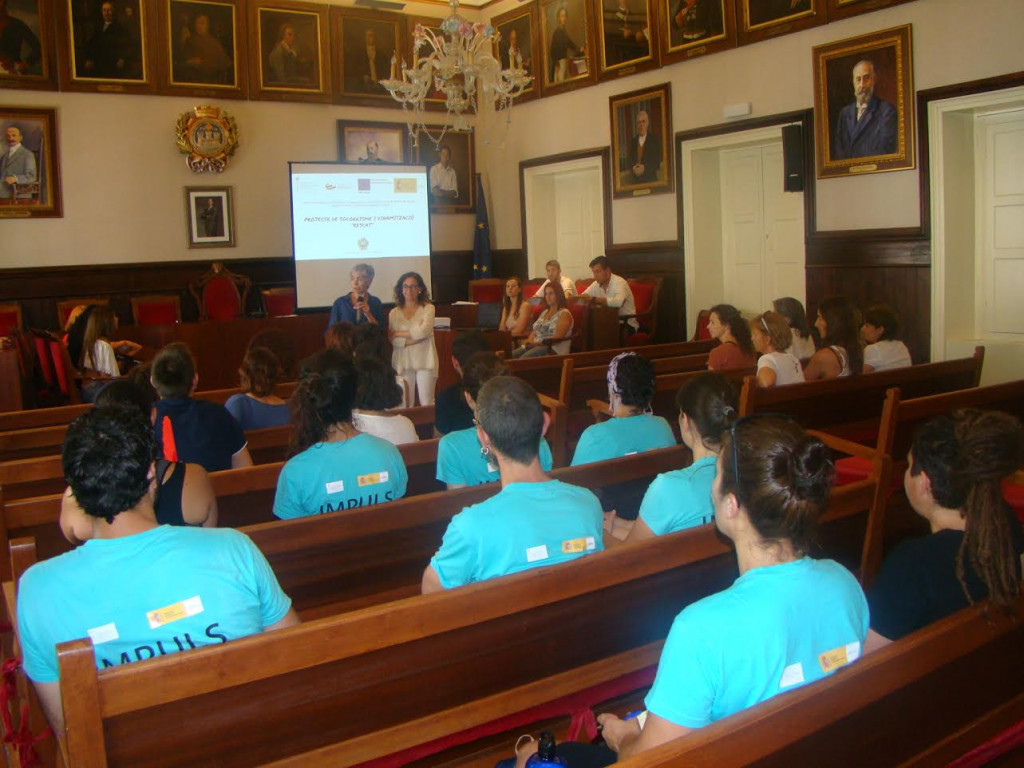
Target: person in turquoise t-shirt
x=632, y=429
x=336, y=466
x=533, y=521
x=137, y=589
x=460, y=458
x=682, y=498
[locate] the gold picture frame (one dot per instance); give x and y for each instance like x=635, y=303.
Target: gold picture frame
x=642, y=169
x=289, y=52
x=35, y=166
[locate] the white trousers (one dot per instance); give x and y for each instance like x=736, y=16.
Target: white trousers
x=420, y=382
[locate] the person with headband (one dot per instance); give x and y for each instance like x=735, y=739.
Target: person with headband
x=802, y=347
x=533, y=521
x=771, y=335
x=787, y=621
x=682, y=498
x=462, y=458
x=973, y=552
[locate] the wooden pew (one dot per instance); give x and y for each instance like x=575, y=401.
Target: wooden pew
x=345, y=689
x=922, y=701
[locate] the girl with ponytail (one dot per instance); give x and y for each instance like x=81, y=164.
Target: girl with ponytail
x=973, y=552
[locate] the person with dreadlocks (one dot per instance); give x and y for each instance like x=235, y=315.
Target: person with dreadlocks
x=973, y=552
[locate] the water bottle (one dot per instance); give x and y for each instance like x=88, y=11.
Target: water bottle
x=545, y=757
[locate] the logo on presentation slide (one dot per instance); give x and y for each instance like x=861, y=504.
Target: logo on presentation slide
x=363, y=243
x=329, y=186
x=405, y=186
x=364, y=185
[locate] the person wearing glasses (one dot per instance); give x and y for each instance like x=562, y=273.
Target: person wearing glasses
x=411, y=331
x=772, y=339
x=787, y=621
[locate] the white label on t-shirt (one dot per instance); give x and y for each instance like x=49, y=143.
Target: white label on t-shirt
x=103, y=634
x=336, y=487
x=540, y=552
x=630, y=453
x=853, y=651
x=792, y=675
x=170, y=613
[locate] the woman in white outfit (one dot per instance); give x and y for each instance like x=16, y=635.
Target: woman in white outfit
x=771, y=334
x=411, y=331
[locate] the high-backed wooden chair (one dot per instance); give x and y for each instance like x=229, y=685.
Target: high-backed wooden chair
x=156, y=309
x=279, y=302
x=645, y=297
x=220, y=293
x=64, y=307
x=10, y=318
x=487, y=290
x=701, y=333
x=582, y=285
x=531, y=286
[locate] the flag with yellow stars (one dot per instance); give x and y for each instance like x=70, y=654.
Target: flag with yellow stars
x=481, y=235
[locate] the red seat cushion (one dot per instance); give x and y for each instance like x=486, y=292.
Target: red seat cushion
x=488, y=294
x=851, y=469
x=45, y=361
x=1014, y=495
x=221, y=299
x=530, y=290
x=157, y=312
x=643, y=295
x=582, y=285
x=65, y=378
x=280, y=304
x=8, y=322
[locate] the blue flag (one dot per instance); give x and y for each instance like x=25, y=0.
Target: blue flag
x=481, y=235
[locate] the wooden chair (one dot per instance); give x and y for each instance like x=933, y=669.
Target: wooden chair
x=220, y=293
x=156, y=309
x=279, y=302
x=582, y=285
x=487, y=290
x=701, y=331
x=645, y=297
x=64, y=307
x=10, y=318
x=531, y=286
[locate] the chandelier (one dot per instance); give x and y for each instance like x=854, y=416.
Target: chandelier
x=458, y=65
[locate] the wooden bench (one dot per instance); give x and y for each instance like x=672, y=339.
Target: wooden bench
x=345, y=689
x=922, y=701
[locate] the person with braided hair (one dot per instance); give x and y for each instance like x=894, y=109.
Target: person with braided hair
x=334, y=466
x=973, y=552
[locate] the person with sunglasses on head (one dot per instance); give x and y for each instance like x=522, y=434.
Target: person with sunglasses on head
x=772, y=338
x=411, y=332
x=787, y=621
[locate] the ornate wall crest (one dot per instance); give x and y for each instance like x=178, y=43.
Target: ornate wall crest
x=209, y=136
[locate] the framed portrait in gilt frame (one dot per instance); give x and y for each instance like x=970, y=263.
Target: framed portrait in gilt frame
x=374, y=143
x=844, y=9
x=520, y=40
x=364, y=43
x=289, y=58
x=641, y=141
x=26, y=45
x=627, y=34
x=451, y=171
x=30, y=165
x=104, y=46
x=763, y=19
x=864, y=104
x=210, y=217
x=567, y=34
x=202, y=48
x=691, y=28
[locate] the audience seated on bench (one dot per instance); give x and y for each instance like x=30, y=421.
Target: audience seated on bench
x=840, y=353
x=256, y=406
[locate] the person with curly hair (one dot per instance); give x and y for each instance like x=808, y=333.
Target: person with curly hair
x=256, y=406
x=736, y=348
x=411, y=332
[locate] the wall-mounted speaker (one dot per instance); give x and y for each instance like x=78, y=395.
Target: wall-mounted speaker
x=793, y=158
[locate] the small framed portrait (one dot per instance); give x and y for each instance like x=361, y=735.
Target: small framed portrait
x=210, y=217
x=519, y=43
x=863, y=104
x=435, y=100
x=30, y=165
x=565, y=30
x=451, y=170
x=203, y=48
x=763, y=19
x=103, y=46
x=628, y=31
x=288, y=52
x=844, y=9
x=368, y=48
x=360, y=141
x=641, y=141
x=691, y=28
x=26, y=45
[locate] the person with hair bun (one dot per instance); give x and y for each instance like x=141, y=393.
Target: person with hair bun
x=802, y=347
x=682, y=498
x=256, y=406
x=840, y=353
x=533, y=521
x=333, y=465
x=775, y=367
x=736, y=349
x=881, y=333
x=632, y=427
x=973, y=552
x=461, y=458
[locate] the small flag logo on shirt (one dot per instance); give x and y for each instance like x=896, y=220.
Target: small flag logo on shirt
x=175, y=612
x=372, y=479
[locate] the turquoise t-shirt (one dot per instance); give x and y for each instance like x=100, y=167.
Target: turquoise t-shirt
x=681, y=498
x=621, y=437
x=459, y=461
x=328, y=477
x=526, y=525
x=165, y=590
x=776, y=628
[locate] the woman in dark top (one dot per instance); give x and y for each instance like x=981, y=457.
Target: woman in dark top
x=840, y=353
x=974, y=549
x=736, y=350
x=256, y=406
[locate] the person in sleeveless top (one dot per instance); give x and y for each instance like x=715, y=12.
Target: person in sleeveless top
x=771, y=335
x=515, y=311
x=840, y=353
x=736, y=349
x=554, y=322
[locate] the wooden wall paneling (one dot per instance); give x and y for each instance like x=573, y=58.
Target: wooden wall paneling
x=664, y=259
x=450, y=273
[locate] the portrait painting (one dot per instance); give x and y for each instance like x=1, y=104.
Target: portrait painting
x=210, y=217
x=289, y=51
x=26, y=50
x=628, y=36
x=565, y=37
x=451, y=170
x=203, y=44
x=641, y=141
x=518, y=45
x=843, y=9
x=29, y=166
x=762, y=19
x=863, y=104
x=106, y=40
x=376, y=143
x=366, y=45
x=696, y=27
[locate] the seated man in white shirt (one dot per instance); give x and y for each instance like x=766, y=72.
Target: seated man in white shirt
x=612, y=291
x=443, y=183
x=554, y=272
